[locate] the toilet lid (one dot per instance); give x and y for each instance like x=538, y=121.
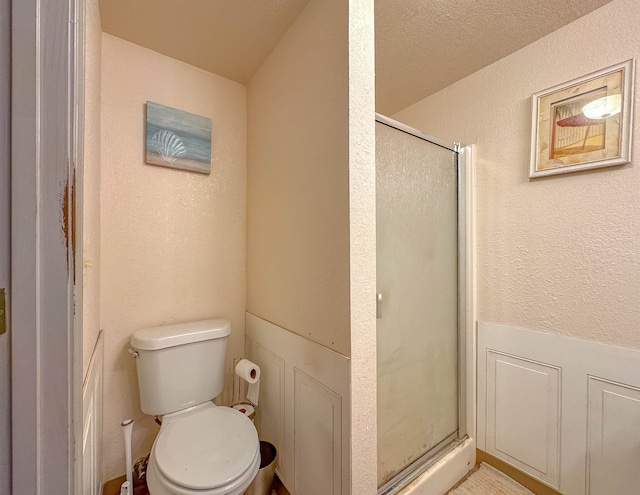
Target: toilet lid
x=207, y=448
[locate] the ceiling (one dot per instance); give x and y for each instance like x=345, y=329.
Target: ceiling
x=227, y=37
x=422, y=46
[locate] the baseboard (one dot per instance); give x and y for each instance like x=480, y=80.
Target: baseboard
x=278, y=487
x=525, y=480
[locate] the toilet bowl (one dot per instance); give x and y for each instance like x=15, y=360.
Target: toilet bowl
x=205, y=450
x=201, y=449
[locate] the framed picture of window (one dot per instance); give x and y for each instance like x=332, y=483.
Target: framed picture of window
x=584, y=123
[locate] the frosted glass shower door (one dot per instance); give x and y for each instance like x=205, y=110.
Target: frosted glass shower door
x=417, y=278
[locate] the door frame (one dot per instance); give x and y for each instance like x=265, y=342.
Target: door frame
x=46, y=235
x=5, y=236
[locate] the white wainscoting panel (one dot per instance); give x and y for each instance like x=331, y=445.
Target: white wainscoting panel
x=92, y=423
x=523, y=415
x=270, y=419
x=303, y=409
x=613, y=438
x=317, y=427
x=565, y=411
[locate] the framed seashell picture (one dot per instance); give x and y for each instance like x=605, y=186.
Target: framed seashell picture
x=178, y=139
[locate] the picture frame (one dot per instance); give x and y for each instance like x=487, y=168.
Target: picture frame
x=583, y=124
x=177, y=139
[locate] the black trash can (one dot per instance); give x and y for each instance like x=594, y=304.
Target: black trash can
x=261, y=484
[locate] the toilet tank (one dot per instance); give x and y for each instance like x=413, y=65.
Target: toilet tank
x=180, y=365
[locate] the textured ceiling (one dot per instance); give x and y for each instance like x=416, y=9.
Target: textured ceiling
x=422, y=46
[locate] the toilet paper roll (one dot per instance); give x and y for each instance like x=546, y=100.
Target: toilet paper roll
x=250, y=372
x=253, y=393
x=246, y=409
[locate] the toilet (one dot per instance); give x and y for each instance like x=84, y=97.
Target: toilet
x=201, y=448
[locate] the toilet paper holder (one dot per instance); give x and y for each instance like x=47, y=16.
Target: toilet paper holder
x=249, y=373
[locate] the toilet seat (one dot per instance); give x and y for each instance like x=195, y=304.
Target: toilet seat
x=159, y=485
x=207, y=450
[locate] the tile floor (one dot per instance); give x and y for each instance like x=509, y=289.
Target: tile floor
x=486, y=480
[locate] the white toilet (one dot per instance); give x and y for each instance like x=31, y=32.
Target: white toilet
x=201, y=448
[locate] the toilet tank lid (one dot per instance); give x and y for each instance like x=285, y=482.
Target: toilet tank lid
x=161, y=337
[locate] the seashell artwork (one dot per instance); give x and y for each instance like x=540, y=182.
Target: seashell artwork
x=169, y=146
x=178, y=139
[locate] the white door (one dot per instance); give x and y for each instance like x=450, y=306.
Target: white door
x=5, y=199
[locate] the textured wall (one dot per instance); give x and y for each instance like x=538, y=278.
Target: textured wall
x=311, y=198
x=173, y=243
x=362, y=225
x=298, y=180
x=560, y=254
x=91, y=202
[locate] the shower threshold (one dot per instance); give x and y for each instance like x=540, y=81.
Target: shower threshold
x=421, y=465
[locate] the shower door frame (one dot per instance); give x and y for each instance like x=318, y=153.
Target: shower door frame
x=465, y=436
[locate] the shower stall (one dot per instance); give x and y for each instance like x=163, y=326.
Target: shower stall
x=421, y=302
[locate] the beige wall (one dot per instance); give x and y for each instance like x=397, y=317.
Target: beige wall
x=559, y=254
x=91, y=202
x=311, y=198
x=298, y=196
x=173, y=243
x=362, y=225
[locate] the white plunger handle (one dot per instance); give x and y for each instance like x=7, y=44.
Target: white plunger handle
x=127, y=429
